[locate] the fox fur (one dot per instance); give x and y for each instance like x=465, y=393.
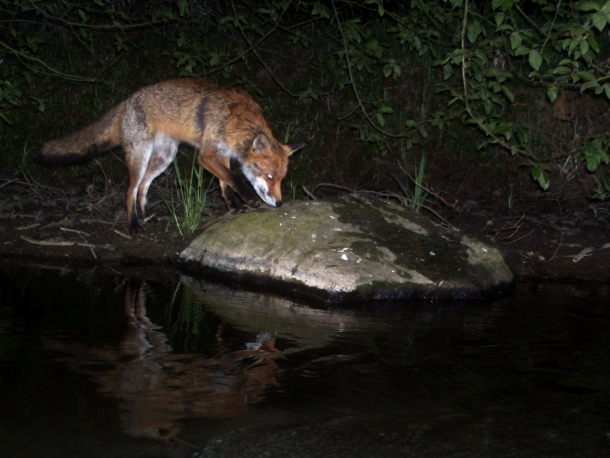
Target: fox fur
x=223, y=123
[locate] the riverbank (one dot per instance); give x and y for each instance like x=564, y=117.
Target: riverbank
x=80, y=231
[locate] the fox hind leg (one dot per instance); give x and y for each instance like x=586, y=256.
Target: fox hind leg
x=164, y=151
x=137, y=157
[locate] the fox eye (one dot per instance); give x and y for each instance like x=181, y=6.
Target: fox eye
x=270, y=177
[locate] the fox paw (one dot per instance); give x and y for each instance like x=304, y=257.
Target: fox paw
x=136, y=230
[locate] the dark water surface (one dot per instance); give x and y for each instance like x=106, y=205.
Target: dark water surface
x=96, y=365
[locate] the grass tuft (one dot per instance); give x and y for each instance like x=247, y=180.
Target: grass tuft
x=192, y=199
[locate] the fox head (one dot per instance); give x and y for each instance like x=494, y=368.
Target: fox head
x=265, y=167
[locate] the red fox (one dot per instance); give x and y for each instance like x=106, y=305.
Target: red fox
x=223, y=123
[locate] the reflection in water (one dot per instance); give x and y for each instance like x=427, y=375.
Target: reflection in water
x=246, y=375
x=157, y=387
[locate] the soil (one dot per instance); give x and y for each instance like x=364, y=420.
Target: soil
x=76, y=226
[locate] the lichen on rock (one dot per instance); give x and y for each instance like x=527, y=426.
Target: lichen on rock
x=349, y=249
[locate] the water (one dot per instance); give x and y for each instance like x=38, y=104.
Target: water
x=96, y=365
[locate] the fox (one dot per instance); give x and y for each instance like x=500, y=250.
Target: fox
x=224, y=124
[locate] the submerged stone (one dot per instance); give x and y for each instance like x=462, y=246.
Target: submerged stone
x=349, y=249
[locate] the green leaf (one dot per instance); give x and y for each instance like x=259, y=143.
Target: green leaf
x=593, y=43
x=423, y=133
x=387, y=70
x=473, y=32
x=521, y=51
x=499, y=17
x=599, y=21
x=380, y=119
x=562, y=71
x=455, y=99
x=585, y=76
x=541, y=177
x=589, y=85
x=607, y=90
x=505, y=5
x=573, y=44
x=515, y=40
x=509, y=95
x=584, y=47
x=446, y=71
x=503, y=76
x=552, y=93
x=593, y=161
x=6, y=120
x=535, y=59
x=588, y=6
x=410, y=123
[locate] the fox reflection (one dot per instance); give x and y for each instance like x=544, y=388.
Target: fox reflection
x=157, y=387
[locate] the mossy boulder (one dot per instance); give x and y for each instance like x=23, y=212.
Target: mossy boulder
x=349, y=249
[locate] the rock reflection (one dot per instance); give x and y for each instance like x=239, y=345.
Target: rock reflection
x=157, y=387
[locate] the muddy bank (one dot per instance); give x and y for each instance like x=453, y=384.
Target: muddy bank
x=80, y=231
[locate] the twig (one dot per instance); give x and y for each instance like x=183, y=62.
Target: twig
x=468, y=109
x=584, y=252
x=550, y=28
x=488, y=223
x=331, y=185
x=241, y=55
x=66, y=243
x=526, y=235
x=353, y=81
x=310, y=194
x=516, y=226
x=557, y=249
x=122, y=234
x=25, y=228
x=47, y=242
x=424, y=188
x=115, y=271
x=516, y=229
x=6, y=182
x=58, y=73
x=76, y=231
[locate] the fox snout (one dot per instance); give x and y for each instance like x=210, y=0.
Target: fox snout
x=271, y=195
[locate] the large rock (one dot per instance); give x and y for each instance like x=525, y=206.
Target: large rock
x=349, y=249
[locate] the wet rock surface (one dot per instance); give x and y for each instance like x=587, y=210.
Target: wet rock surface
x=350, y=249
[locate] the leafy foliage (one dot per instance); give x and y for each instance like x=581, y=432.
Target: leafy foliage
x=480, y=67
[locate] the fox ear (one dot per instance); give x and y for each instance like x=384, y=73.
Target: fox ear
x=292, y=147
x=260, y=144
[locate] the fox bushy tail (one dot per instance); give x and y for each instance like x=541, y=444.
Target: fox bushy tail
x=86, y=144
